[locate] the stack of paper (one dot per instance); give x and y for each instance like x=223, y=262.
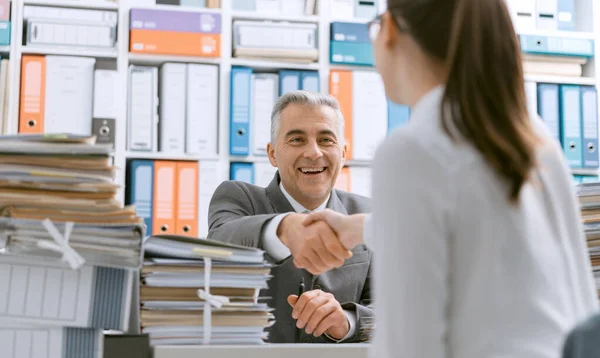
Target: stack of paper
x=589, y=198
x=175, y=273
x=553, y=65
x=70, y=254
x=65, y=178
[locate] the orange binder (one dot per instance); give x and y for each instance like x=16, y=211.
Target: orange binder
x=175, y=43
x=186, y=218
x=343, y=180
x=165, y=185
x=33, y=85
x=340, y=87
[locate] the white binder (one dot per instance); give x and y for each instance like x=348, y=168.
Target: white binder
x=142, y=116
x=171, y=136
x=531, y=93
x=42, y=342
x=275, y=40
x=265, y=90
x=105, y=94
x=341, y=9
x=369, y=114
x=209, y=179
x=263, y=173
x=69, y=94
x=51, y=294
x=202, y=110
x=523, y=14
x=360, y=181
x=267, y=6
x=546, y=16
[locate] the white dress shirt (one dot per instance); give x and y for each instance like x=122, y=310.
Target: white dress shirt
x=278, y=251
x=460, y=272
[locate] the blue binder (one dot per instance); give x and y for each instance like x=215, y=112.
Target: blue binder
x=242, y=172
x=566, y=15
x=4, y=33
x=559, y=46
x=398, y=115
x=349, y=32
x=309, y=81
x=548, y=110
x=589, y=126
x=577, y=179
x=289, y=81
x=240, y=111
x=570, y=121
x=140, y=189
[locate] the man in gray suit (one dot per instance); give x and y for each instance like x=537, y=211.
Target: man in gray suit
x=307, y=147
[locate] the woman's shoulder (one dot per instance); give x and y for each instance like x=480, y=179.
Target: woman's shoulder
x=422, y=141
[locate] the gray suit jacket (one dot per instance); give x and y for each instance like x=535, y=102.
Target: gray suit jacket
x=238, y=214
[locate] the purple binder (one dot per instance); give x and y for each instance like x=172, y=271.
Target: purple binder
x=172, y=20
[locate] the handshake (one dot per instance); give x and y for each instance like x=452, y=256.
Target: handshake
x=321, y=241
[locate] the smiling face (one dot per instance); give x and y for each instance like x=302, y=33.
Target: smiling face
x=308, y=150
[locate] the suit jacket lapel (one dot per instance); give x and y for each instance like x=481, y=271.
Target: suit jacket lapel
x=335, y=203
x=278, y=200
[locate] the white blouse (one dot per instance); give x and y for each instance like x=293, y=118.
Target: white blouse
x=458, y=271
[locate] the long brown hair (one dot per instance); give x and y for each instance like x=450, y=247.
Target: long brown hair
x=485, y=90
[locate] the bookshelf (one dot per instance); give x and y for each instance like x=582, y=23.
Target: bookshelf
x=587, y=16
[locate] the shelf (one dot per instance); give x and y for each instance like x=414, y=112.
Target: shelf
x=353, y=20
x=249, y=158
x=5, y=49
x=94, y=4
x=582, y=171
x=69, y=51
x=265, y=159
x=584, y=81
x=167, y=156
x=351, y=67
x=556, y=33
x=246, y=15
x=149, y=59
x=265, y=64
x=358, y=163
x=176, y=8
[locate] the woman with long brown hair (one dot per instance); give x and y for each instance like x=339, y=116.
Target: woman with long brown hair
x=478, y=245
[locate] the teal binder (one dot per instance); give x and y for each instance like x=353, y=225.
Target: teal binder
x=557, y=46
x=351, y=53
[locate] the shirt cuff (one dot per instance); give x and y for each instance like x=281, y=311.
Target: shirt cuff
x=351, y=316
x=270, y=241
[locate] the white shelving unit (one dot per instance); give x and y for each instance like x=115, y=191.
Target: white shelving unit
x=120, y=59
x=91, y=4
x=246, y=15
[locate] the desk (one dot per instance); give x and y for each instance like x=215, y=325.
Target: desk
x=265, y=351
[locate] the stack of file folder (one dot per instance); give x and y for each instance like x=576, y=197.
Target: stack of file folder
x=70, y=254
x=176, y=273
x=589, y=198
x=65, y=178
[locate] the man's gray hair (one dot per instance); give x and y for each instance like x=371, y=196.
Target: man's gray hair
x=309, y=99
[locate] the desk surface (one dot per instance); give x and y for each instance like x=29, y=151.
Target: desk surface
x=265, y=351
